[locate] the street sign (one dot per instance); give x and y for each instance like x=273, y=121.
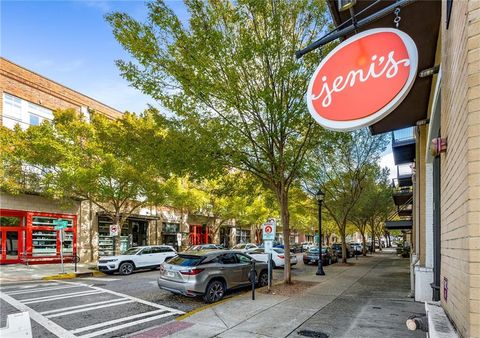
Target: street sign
x=268, y=231
x=268, y=246
x=60, y=224
x=113, y=229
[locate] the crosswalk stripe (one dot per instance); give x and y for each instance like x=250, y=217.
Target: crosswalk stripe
x=72, y=295
x=46, y=323
x=101, y=279
x=33, y=290
x=88, y=309
x=80, y=306
x=116, y=321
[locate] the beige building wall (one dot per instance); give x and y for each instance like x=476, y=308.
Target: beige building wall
x=460, y=167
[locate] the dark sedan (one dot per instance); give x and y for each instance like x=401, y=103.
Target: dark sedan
x=311, y=256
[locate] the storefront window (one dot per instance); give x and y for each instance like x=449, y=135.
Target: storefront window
x=44, y=243
x=171, y=228
x=243, y=236
x=10, y=221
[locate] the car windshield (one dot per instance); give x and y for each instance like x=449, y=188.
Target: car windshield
x=313, y=250
x=132, y=251
x=239, y=246
x=185, y=260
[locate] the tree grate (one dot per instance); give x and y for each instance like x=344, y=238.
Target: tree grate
x=310, y=333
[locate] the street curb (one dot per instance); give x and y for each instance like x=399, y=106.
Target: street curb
x=72, y=275
x=205, y=307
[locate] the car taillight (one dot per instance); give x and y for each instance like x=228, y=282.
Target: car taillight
x=192, y=272
x=281, y=256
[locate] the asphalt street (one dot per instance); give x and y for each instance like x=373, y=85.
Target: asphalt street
x=107, y=306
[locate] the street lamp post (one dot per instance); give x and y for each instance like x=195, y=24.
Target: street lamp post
x=319, y=196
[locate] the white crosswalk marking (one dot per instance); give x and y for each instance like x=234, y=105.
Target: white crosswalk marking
x=50, y=298
x=89, y=309
x=74, y=292
x=119, y=327
x=116, y=321
x=100, y=279
x=81, y=306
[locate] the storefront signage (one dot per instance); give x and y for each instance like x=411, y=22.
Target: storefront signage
x=363, y=79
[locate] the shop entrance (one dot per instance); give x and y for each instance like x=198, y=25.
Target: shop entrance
x=198, y=234
x=11, y=245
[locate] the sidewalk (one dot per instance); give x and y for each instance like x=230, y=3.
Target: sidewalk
x=21, y=272
x=365, y=299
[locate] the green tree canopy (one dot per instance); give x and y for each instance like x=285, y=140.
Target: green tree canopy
x=230, y=74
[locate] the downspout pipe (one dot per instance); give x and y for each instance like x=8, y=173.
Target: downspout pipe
x=414, y=260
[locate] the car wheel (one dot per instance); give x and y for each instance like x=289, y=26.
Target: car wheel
x=126, y=268
x=263, y=279
x=215, y=292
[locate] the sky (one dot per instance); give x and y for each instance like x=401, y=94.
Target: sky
x=71, y=43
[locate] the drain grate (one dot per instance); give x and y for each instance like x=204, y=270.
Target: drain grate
x=310, y=333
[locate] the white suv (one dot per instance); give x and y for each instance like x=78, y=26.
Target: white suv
x=140, y=257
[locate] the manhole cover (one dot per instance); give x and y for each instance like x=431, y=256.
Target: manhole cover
x=310, y=333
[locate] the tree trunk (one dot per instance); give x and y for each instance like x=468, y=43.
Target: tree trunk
x=282, y=196
x=373, y=240
x=116, y=244
x=379, y=243
x=364, y=242
x=344, y=243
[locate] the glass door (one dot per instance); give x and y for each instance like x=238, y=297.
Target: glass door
x=11, y=245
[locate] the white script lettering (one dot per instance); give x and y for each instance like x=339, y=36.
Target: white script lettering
x=381, y=66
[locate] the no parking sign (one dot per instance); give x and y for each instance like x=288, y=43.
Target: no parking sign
x=269, y=230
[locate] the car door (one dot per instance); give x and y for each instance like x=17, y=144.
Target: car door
x=245, y=264
x=231, y=269
x=142, y=257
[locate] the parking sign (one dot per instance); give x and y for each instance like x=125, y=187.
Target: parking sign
x=268, y=231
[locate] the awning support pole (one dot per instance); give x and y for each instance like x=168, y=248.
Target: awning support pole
x=347, y=30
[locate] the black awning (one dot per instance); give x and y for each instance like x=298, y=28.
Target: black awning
x=399, y=225
x=420, y=20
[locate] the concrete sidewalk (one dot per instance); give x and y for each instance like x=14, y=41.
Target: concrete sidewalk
x=368, y=298
x=21, y=272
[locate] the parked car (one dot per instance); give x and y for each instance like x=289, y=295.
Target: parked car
x=356, y=248
x=328, y=256
x=205, y=247
x=306, y=245
x=244, y=247
x=337, y=248
x=295, y=248
x=278, y=256
x=140, y=257
x=209, y=273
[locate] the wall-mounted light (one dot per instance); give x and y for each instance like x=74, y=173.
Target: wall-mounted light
x=438, y=146
x=343, y=5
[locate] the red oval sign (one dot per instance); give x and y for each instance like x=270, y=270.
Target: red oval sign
x=363, y=79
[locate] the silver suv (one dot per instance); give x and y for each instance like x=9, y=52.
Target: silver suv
x=209, y=273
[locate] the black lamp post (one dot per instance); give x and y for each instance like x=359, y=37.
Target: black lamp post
x=319, y=196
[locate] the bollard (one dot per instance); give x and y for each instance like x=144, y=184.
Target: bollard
x=253, y=275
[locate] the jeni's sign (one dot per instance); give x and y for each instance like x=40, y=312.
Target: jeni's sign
x=363, y=79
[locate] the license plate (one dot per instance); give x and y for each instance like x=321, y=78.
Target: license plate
x=312, y=260
x=169, y=274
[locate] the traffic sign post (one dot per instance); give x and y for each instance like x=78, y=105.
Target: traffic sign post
x=269, y=230
x=60, y=225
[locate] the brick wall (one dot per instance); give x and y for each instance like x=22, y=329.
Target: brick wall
x=460, y=186
x=37, y=89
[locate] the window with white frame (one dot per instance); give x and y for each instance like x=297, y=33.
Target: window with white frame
x=22, y=112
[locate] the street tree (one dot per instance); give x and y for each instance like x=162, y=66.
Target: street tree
x=231, y=75
x=342, y=172
x=100, y=160
x=374, y=205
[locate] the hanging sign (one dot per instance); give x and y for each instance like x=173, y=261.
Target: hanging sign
x=363, y=79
